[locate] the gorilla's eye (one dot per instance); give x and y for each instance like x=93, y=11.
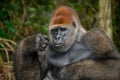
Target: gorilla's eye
x=74, y=24
x=63, y=29
x=54, y=31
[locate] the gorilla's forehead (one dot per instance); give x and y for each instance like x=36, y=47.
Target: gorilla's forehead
x=59, y=25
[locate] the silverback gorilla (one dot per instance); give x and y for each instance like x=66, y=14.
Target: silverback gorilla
x=70, y=52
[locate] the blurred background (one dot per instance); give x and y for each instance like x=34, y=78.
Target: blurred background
x=22, y=18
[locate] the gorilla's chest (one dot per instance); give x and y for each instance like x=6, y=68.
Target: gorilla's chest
x=76, y=53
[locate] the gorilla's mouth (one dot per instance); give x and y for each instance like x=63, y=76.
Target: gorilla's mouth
x=58, y=45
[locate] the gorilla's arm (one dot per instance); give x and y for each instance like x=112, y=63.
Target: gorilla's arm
x=92, y=70
x=26, y=63
x=99, y=43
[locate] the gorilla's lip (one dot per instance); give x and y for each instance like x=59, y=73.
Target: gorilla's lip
x=58, y=45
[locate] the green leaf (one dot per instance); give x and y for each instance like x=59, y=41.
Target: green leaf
x=3, y=34
x=10, y=26
x=32, y=9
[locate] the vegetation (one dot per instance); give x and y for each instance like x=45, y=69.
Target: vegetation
x=21, y=18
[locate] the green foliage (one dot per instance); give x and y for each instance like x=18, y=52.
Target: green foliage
x=6, y=25
x=7, y=29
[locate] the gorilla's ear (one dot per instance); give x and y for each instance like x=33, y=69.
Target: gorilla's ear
x=74, y=24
